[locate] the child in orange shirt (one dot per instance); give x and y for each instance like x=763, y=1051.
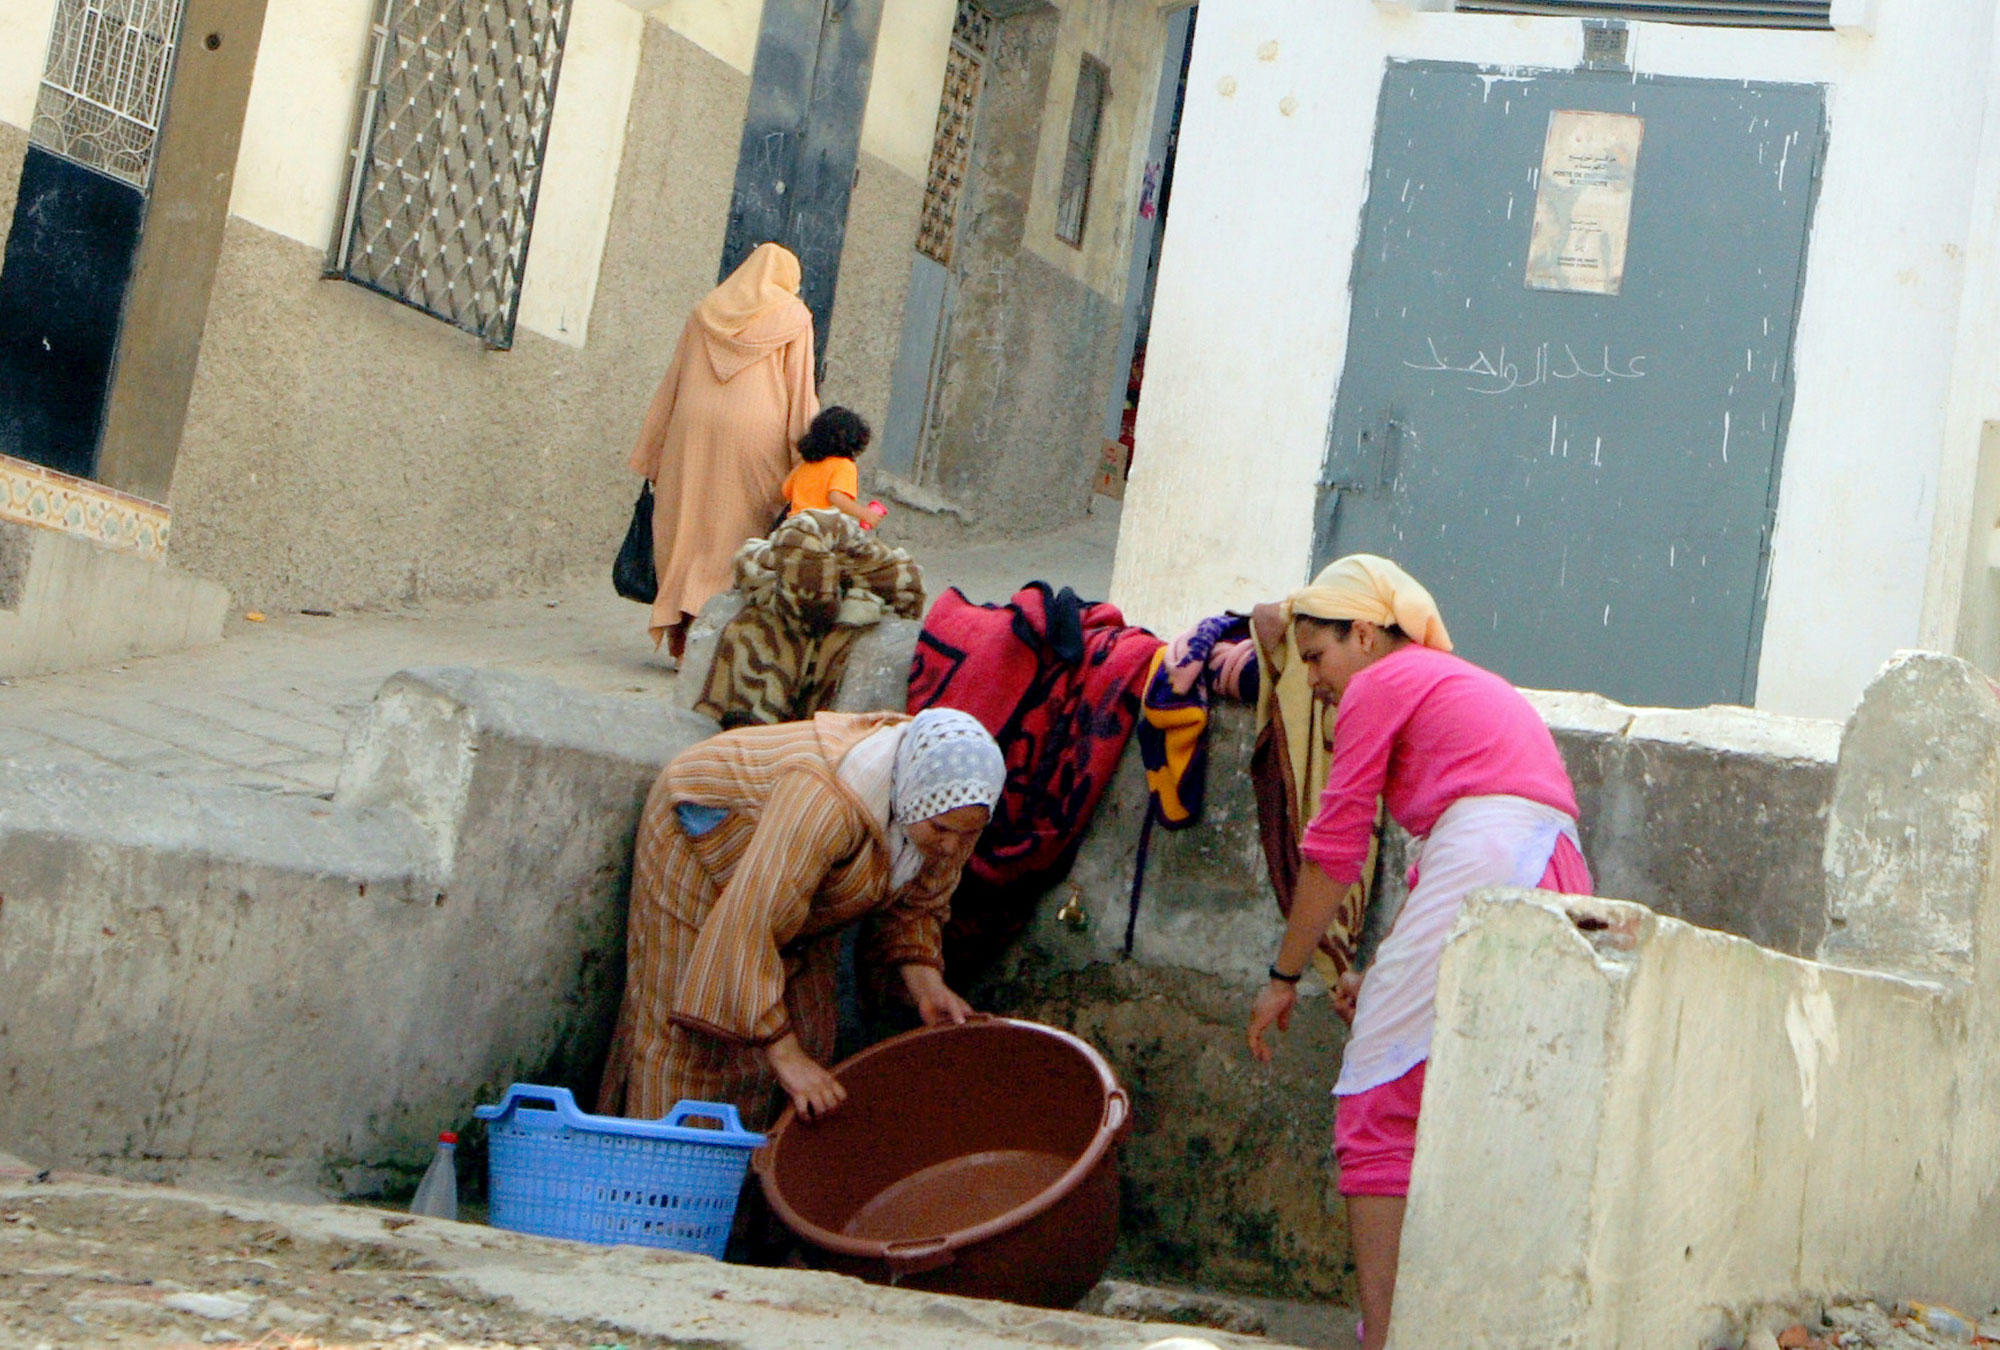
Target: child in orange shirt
x=828, y=480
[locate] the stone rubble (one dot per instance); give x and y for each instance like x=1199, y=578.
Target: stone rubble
x=1867, y=1325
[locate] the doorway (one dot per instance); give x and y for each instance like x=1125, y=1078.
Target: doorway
x=906, y=434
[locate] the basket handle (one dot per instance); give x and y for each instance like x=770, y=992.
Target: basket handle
x=687, y=1110
x=914, y=1256
x=542, y=1100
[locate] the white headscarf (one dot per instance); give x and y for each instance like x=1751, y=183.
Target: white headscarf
x=938, y=761
x=947, y=760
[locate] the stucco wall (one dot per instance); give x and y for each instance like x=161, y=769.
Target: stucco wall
x=1129, y=38
x=344, y=450
x=13, y=148
x=1251, y=313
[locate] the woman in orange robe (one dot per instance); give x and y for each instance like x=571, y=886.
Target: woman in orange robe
x=718, y=439
x=755, y=849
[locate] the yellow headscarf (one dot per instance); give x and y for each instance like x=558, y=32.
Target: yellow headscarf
x=1359, y=586
x=1364, y=587
x=766, y=280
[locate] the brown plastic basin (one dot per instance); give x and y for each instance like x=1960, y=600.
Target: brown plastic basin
x=976, y=1159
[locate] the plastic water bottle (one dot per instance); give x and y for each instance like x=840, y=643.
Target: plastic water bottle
x=437, y=1193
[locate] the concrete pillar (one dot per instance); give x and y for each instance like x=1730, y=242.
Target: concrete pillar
x=166, y=304
x=1645, y=1134
x=1910, y=841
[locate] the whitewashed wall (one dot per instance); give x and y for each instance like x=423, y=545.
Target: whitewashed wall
x=24, y=46
x=1250, y=320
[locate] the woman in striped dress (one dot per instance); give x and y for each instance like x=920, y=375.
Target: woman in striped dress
x=756, y=847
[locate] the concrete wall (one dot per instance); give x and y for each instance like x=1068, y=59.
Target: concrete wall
x=217, y=979
x=1637, y=1132
x=1251, y=312
x=66, y=602
x=515, y=802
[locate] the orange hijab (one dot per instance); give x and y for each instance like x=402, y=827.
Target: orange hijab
x=754, y=311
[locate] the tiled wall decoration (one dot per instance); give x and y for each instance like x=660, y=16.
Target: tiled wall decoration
x=34, y=495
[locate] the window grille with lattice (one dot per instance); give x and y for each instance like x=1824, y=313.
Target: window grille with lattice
x=448, y=153
x=1093, y=86
x=104, y=85
x=951, y=143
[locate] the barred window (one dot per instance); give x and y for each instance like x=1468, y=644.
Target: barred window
x=104, y=86
x=447, y=158
x=1725, y=13
x=1093, y=86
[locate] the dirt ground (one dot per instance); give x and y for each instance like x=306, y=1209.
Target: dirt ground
x=92, y=1271
x=91, y=1261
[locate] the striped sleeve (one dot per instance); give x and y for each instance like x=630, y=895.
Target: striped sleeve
x=733, y=985
x=909, y=930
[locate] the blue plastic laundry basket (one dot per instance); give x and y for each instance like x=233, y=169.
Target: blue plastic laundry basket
x=559, y=1172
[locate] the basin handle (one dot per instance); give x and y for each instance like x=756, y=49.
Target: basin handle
x=914, y=1256
x=1117, y=1111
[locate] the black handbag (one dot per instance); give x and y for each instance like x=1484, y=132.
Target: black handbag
x=632, y=574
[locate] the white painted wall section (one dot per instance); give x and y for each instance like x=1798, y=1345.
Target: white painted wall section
x=24, y=50
x=297, y=127
x=911, y=49
x=725, y=29
x=1251, y=313
x=580, y=180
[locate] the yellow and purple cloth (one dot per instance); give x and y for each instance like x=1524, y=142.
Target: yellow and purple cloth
x=1213, y=660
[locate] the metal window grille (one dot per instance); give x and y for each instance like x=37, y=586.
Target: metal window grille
x=1724, y=13
x=447, y=159
x=951, y=143
x=104, y=86
x=1093, y=86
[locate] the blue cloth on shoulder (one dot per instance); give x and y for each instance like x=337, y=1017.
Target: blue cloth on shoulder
x=697, y=820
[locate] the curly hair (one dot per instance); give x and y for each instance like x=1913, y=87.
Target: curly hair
x=837, y=433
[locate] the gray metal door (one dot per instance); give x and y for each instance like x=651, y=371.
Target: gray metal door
x=1586, y=481
x=796, y=167
x=912, y=385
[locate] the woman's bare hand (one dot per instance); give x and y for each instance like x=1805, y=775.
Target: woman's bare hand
x=1346, y=994
x=936, y=1003
x=813, y=1090
x=1273, y=1008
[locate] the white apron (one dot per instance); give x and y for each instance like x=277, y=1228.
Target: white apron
x=1477, y=842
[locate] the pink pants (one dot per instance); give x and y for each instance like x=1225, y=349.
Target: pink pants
x=1375, y=1132
x=1375, y=1136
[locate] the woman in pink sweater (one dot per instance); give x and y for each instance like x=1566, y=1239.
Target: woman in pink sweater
x=1467, y=766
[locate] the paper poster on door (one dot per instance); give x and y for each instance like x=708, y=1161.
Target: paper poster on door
x=1583, y=203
